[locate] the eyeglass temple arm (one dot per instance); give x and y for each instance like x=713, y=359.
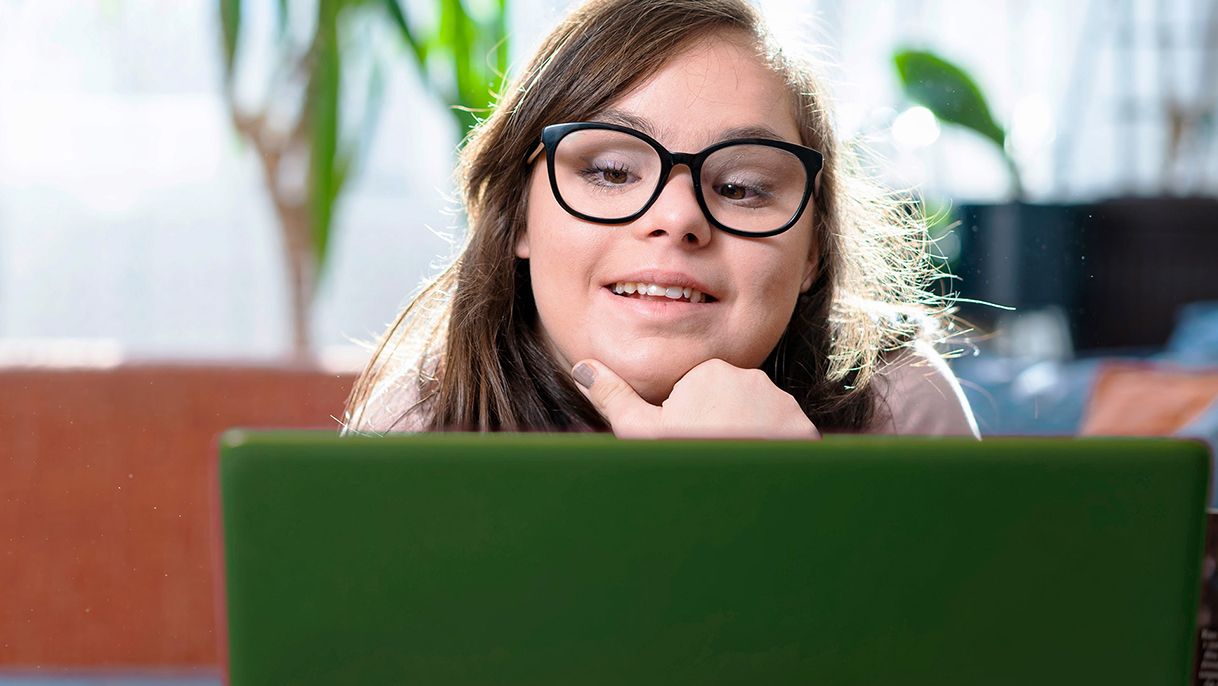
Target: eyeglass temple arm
x=536, y=152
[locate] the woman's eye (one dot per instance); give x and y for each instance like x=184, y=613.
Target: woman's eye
x=733, y=192
x=607, y=176
x=737, y=191
x=616, y=176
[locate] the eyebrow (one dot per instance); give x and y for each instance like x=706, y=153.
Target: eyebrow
x=634, y=121
x=623, y=118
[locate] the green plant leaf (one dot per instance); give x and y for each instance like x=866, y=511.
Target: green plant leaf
x=953, y=96
x=947, y=90
x=398, y=18
x=230, y=23
x=501, y=45
x=456, y=28
x=323, y=105
x=486, y=37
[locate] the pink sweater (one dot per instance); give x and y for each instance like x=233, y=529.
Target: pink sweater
x=920, y=396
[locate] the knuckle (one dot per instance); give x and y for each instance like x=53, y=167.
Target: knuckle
x=709, y=368
x=758, y=376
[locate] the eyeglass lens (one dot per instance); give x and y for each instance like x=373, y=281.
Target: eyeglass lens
x=611, y=175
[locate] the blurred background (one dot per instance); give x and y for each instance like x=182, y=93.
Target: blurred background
x=134, y=209
x=205, y=203
x=156, y=161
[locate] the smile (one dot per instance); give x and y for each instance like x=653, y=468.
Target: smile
x=657, y=291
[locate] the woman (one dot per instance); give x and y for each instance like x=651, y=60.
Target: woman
x=665, y=239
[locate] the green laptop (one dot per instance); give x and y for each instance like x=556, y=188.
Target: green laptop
x=582, y=559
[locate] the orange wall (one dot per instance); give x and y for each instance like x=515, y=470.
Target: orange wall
x=106, y=556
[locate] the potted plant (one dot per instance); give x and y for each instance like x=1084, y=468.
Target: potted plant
x=1015, y=254
x=309, y=157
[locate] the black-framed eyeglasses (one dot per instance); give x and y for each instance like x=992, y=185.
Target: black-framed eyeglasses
x=612, y=174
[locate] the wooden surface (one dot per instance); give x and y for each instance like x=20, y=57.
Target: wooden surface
x=106, y=557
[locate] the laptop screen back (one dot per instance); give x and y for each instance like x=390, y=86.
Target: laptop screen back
x=460, y=559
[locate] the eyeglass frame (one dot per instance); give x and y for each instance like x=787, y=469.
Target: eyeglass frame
x=813, y=161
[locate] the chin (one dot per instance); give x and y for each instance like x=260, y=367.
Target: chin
x=653, y=379
x=654, y=391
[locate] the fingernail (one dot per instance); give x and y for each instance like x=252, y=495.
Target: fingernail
x=584, y=374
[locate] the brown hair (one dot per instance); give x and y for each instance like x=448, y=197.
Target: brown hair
x=474, y=356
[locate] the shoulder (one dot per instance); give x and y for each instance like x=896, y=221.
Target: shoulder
x=398, y=402
x=398, y=388
x=918, y=395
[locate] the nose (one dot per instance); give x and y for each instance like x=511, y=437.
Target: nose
x=676, y=215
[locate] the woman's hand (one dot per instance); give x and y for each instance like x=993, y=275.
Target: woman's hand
x=712, y=400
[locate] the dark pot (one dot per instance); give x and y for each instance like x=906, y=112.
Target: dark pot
x=1018, y=255
x=1120, y=269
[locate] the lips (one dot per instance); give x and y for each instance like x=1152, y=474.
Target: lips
x=640, y=290
x=662, y=286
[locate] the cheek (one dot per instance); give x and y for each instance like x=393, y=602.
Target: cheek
x=563, y=251
x=778, y=269
x=775, y=302
x=563, y=255
x=777, y=275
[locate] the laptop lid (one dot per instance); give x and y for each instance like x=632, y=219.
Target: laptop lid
x=581, y=559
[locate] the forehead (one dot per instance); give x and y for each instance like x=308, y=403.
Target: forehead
x=717, y=89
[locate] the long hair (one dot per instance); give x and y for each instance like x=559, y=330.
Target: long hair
x=469, y=342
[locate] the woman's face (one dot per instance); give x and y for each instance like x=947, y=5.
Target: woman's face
x=696, y=100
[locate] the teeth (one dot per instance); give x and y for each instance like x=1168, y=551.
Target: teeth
x=693, y=295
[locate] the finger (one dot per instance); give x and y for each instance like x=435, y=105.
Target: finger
x=627, y=413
